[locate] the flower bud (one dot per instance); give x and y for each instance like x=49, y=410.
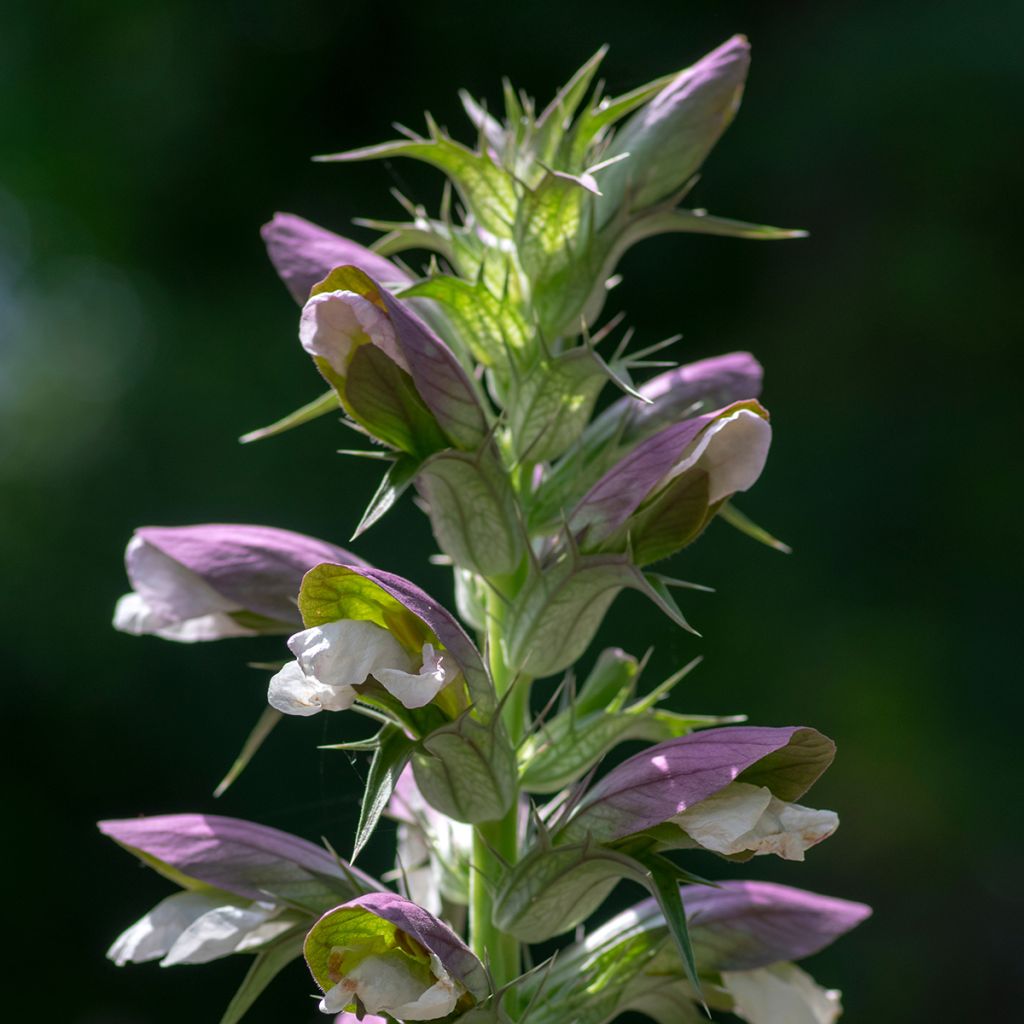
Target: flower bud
x=370, y=628
x=381, y=953
x=244, y=885
x=304, y=253
x=217, y=580
x=675, y=782
x=669, y=137
x=393, y=375
x=661, y=496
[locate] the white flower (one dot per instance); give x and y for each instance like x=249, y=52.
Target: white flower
x=384, y=984
x=781, y=994
x=194, y=928
x=743, y=817
x=334, y=323
x=171, y=601
x=732, y=451
x=333, y=659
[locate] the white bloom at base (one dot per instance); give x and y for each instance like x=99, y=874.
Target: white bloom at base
x=333, y=659
x=743, y=817
x=781, y=994
x=171, y=601
x=194, y=928
x=385, y=985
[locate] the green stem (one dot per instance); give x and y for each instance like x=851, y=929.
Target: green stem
x=496, y=843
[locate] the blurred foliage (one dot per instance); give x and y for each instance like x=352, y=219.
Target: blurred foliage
x=142, y=330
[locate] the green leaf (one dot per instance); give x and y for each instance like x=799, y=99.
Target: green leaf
x=735, y=518
x=393, y=751
x=551, y=890
x=467, y=770
x=612, y=679
x=269, y=962
x=487, y=189
x=490, y=327
x=554, y=121
x=321, y=406
x=552, y=404
x=560, y=609
x=663, y=880
x=472, y=510
x=702, y=223
x=260, y=731
x=395, y=481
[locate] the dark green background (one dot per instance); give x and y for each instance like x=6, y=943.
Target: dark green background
x=142, y=145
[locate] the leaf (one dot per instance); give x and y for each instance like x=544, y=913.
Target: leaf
x=260, y=731
x=560, y=609
x=703, y=223
x=487, y=189
x=269, y=962
x=490, y=327
x=663, y=880
x=472, y=510
x=467, y=770
x=553, y=402
x=395, y=481
x=554, y=121
x=735, y=518
x=321, y=406
x=393, y=751
x=613, y=678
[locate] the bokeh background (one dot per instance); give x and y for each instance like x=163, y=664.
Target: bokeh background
x=142, y=330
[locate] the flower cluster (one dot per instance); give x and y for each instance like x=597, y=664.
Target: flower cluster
x=482, y=383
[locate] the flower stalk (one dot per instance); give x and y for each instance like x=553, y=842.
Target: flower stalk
x=483, y=380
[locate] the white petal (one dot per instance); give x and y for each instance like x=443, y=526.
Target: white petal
x=417, y=689
x=732, y=451
x=720, y=820
x=781, y=994
x=216, y=626
x=168, y=587
x=220, y=931
x=292, y=692
x=153, y=935
x=133, y=614
x=344, y=653
x=743, y=817
x=334, y=323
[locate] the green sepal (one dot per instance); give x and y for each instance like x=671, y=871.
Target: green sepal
x=326, y=403
x=268, y=963
x=330, y=593
x=472, y=510
x=467, y=770
x=393, y=751
x=663, y=222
